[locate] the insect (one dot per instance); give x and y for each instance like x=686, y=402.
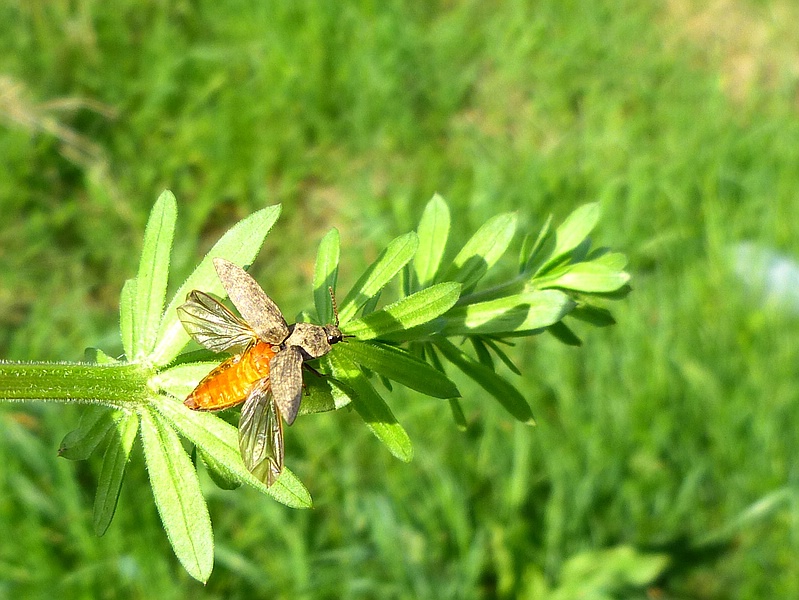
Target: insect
x=265, y=371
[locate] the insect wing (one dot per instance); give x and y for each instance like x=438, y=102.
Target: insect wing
x=261, y=434
x=253, y=304
x=286, y=372
x=212, y=325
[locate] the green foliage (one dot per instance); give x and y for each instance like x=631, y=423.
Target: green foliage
x=420, y=317
x=658, y=433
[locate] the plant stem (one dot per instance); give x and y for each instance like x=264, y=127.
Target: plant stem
x=116, y=385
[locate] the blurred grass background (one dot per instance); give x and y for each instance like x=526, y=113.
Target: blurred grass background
x=673, y=432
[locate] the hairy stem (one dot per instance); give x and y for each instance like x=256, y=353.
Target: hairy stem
x=116, y=385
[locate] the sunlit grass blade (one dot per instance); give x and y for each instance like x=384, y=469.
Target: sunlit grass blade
x=433, y=232
x=178, y=498
x=95, y=423
x=520, y=312
x=240, y=244
x=416, y=309
x=325, y=275
x=400, y=366
x=383, y=270
x=499, y=388
x=112, y=472
x=371, y=407
x=483, y=250
x=153, y=272
x=126, y=308
x=585, y=277
x=220, y=440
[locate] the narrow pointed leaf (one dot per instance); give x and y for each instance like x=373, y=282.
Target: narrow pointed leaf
x=95, y=423
x=502, y=356
x=542, y=248
x=240, y=245
x=153, y=273
x=112, y=472
x=457, y=414
x=400, y=366
x=576, y=228
x=371, y=407
x=615, y=261
x=383, y=270
x=411, y=311
x=585, y=277
x=220, y=440
x=562, y=332
x=521, y=312
x=325, y=275
x=595, y=315
x=126, y=308
x=323, y=394
x=217, y=472
x=178, y=498
x=433, y=233
x=483, y=250
x=499, y=388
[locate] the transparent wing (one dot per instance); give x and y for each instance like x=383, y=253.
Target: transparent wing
x=261, y=434
x=213, y=325
x=253, y=304
x=285, y=370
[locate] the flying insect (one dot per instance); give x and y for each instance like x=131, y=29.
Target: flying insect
x=265, y=371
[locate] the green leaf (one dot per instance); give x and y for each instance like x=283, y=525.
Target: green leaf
x=180, y=380
x=126, y=307
x=585, y=277
x=433, y=232
x=323, y=394
x=499, y=388
x=112, y=472
x=615, y=261
x=217, y=472
x=542, y=248
x=457, y=414
x=325, y=275
x=178, y=497
x=153, y=273
x=563, y=333
x=483, y=250
x=372, y=408
x=220, y=440
x=595, y=315
x=400, y=366
x=387, y=265
x=95, y=423
x=521, y=312
x=240, y=244
x=575, y=229
x=411, y=311
x=502, y=356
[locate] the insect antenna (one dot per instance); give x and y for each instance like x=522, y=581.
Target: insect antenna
x=333, y=300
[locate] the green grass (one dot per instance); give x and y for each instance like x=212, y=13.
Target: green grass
x=659, y=433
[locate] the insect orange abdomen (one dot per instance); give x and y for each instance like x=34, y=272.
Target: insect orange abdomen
x=231, y=382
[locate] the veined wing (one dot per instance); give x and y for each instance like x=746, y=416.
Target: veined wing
x=213, y=326
x=285, y=370
x=261, y=434
x=253, y=304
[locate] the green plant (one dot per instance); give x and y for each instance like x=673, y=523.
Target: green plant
x=559, y=275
